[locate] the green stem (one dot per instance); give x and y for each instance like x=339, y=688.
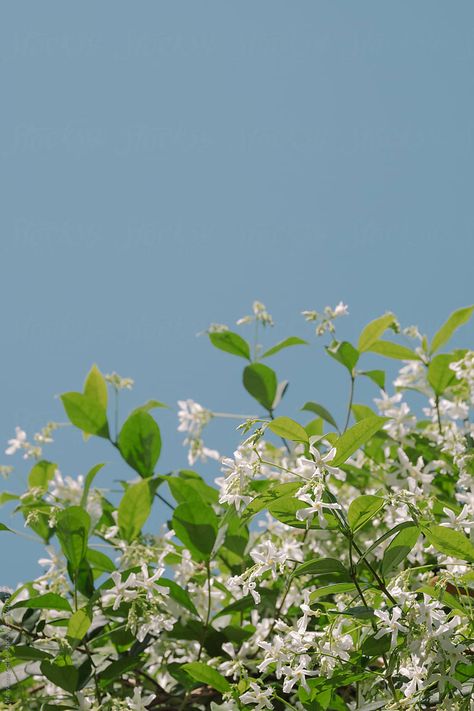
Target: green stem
x=349, y=407
x=208, y=613
x=438, y=414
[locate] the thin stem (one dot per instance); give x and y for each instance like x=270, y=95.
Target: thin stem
x=438, y=414
x=165, y=501
x=116, y=413
x=208, y=613
x=349, y=407
x=231, y=416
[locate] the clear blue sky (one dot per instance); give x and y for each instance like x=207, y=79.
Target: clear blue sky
x=165, y=163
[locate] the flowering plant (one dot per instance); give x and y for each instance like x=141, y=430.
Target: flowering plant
x=330, y=567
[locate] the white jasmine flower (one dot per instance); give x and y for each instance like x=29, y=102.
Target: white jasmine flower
x=258, y=696
x=415, y=672
x=16, y=442
x=390, y=624
x=139, y=702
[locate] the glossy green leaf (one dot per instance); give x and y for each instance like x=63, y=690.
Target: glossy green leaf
x=86, y=413
x=231, y=342
x=179, y=595
x=291, y=341
x=95, y=387
x=134, y=509
x=345, y=353
x=355, y=437
x=288, y=429
x=78, y=624
x=334, y=589
x=457, y=319
x=5, y=528
x=440, y=375
x=260, y=381
x=48, y=601
x=361, y=412
x=99, y=561
x=185, y=488
x=321, y=411
x=377, y=377
x=196, y=527
x=393, y=350
x=372, y=647
x=66, y=677
x=399, y=548
x=205, y=674
x=315, y=428
x=29, y=653
x=450, y=542
x=139, y=442
x=327, y=568
x=88, y=482
x=362, y=509
x=72, y=529
x=41, y=474
x=372, y=332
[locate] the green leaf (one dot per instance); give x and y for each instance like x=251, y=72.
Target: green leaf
x=457, y=319
x=88, y=482
x=134, y=509
x=372, y=332
x=288, y=429
x=95, y=387
x=196, y=527
x=99, y=561
x=231, y=343
x=66, y=677
x=86, y=413
x=377, y=376
x=399, y=547
x=328, y=568
x=393, y=350
x=450, y=542
x=186, y=488
x=355, y=437
x=150, y=405
x=334, y=589
x=205, y=674
x=139, y=442
x=260, y=381
x=5, y=528
x=48, y=601
x=179, y=595
x=78, y=624
x=321, y=411
x=29, y=653
x=440, y=375
x=360, y=612
x=315, y=428
x=41, y=474
x=345, y=353
x=372, y=647
x=362, y=509
x=384, y=536
x=291, y=341
x=72, y=529
x=361, y=412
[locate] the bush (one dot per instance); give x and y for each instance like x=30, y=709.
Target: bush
x=329, y=568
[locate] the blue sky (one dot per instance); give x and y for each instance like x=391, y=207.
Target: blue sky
x=164, y=164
